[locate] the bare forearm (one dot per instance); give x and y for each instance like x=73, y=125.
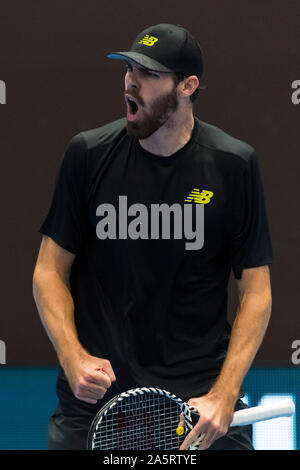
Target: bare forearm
x=56, y=309
x=247, y=333
x=217, y=406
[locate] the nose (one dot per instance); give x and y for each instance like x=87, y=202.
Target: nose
x=132, y=78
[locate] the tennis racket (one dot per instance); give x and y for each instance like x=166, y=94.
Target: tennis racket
x=148, y=418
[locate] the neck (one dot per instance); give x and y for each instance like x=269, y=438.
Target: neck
x=170, y=137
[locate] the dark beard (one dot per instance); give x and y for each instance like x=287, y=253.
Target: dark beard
x=161, y=110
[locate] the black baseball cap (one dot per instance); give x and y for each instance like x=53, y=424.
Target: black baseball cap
x=165, y=48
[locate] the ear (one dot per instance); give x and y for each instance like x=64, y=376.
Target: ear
x=188, y=85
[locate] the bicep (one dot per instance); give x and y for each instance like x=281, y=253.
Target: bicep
x=52, y=257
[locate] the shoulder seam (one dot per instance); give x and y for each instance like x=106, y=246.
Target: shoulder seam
x=251, y=151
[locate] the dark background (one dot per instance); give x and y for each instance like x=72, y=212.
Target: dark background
x=59, y=82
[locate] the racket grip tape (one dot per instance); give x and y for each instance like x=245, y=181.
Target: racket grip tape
x=263, y=412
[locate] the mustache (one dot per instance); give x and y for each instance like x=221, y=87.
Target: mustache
x=134, y=94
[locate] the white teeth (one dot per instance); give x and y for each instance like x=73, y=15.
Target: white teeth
x=129, y=98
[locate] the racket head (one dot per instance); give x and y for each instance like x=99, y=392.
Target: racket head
x=140, y=419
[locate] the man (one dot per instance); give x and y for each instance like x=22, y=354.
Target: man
x=150, y=213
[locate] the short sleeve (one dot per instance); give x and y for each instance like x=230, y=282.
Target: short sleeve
x=66, y=220
x=251, y=244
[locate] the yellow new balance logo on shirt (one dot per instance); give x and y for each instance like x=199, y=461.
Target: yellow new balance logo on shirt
x=200, y=197
x=148, y=40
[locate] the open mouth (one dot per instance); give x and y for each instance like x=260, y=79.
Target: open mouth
x=132, y=105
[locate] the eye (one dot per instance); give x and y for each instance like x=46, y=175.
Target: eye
x=149, y=73
x=153, y=74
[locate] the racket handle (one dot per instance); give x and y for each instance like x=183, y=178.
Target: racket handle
x=260, y=413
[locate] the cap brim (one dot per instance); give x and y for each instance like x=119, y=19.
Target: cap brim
x=140, y=59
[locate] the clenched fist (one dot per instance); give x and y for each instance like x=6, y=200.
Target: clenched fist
x=89, y=377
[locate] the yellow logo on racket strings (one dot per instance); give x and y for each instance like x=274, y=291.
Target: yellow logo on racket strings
x=199, y=197
x=180, y=430
x=148, y=40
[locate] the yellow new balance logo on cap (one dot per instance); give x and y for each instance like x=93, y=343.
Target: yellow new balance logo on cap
x=148, y=40
x=200, y=197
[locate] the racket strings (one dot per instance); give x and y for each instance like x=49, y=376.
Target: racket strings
x=140, y=422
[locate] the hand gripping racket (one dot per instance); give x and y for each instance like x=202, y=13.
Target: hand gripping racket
x=148, y=418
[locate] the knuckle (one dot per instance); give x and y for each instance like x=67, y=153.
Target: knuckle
x=87, y=377
x=215, y=425
x=221, y=429
x=81, y=385
x=192, y=402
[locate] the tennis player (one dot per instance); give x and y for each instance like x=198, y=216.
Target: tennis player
x=150, y=214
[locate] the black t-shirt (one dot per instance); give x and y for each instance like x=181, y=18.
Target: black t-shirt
x=155, y=240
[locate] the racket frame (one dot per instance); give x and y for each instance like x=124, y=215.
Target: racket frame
x=188, y=411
